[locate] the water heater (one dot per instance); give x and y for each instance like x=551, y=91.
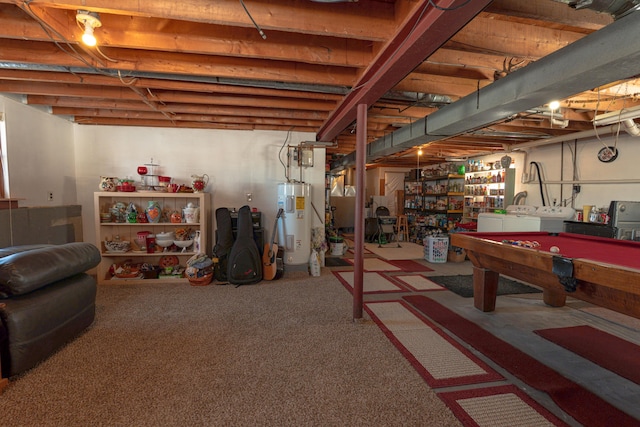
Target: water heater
x=294, y=230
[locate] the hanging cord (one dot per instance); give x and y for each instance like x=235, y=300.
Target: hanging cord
x=284, y=144
x=539, y=181
x=255, y=24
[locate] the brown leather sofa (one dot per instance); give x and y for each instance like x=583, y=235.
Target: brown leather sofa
x=46, y=299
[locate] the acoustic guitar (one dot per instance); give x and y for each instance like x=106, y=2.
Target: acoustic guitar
x=273, y=256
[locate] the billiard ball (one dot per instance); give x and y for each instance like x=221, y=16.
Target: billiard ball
x=555, y=249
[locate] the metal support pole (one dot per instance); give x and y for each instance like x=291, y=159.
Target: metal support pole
x=358, y=265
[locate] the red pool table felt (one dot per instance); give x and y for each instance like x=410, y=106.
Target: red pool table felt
x=599, y=249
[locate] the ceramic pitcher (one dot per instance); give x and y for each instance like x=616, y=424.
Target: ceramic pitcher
x=199, y=182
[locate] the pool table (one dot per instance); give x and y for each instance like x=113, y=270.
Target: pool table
x=599, y=270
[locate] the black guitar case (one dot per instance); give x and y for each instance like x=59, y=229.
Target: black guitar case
x=245, y=264
x=224, y=243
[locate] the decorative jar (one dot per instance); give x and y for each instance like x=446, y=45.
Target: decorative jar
x=108, y=183
x=153, y=212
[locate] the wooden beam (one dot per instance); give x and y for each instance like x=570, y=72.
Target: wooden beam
x=421, y=34
x=182, y=124
x=360, y=20
x=129, y=114
x=174, y=85
x=124, y=93
x=187, y=37
x=182, y=64
x=138, y=105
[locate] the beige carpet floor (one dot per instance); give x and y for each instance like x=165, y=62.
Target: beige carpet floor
x=279, y=353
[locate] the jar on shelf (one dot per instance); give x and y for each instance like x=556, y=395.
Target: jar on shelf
x=108, y=183
x=153, y=211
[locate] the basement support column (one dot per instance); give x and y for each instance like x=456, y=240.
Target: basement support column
x=358, y=264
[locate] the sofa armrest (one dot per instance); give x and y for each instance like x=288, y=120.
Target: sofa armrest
x=26, y=271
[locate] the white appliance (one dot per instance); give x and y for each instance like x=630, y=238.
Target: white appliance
x=526, y=218
x=490, y=222
x=552, y=218
x=294, y=230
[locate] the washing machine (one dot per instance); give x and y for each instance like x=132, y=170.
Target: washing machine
x=544, y=218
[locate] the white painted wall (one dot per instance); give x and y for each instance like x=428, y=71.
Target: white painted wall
x=237, y=163
x=49, y=153
x=40, y=153
x=556, y=165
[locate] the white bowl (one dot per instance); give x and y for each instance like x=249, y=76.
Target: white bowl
x=184, y=244
x=164, y=244
x=165, y=236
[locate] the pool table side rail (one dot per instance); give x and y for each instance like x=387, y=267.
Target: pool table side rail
x=606, y=285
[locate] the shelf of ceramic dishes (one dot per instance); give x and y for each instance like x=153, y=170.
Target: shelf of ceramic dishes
x=123, y=222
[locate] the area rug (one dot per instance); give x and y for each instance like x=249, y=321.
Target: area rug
x=418, y=282
x=463, y=285
x=499, y=406
x=372, y=282
x=336, y=262
x=584, y=406
x=365, y=251
x=407, y=250
x=440, y=360
x=409, y=265
x=375, y=264
x=615, y=354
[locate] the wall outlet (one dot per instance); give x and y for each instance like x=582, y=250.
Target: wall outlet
x=50, y=196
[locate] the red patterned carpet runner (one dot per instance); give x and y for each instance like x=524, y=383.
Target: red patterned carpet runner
x=610, y=352
x=584, y=406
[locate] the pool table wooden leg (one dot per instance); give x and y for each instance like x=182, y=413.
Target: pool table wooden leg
x=485, y=288
x=554, y=298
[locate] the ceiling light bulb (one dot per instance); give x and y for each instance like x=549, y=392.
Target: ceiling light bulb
x=89, y=20
x=554, y=105
x=420, y=152
x=88, y=38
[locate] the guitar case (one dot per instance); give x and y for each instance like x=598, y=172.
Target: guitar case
x=224, y=243
x=244, y=264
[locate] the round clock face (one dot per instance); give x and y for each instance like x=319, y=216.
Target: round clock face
x=608, y=154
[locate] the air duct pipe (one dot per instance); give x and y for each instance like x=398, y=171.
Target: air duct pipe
x=631, y=127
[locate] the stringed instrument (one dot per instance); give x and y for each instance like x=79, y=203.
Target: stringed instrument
x=273, y=255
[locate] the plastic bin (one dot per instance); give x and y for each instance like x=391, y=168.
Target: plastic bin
x=436, y=248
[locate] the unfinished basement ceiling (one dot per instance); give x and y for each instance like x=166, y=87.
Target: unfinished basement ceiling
x=483, y=69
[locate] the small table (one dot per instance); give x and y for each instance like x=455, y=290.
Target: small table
x=599, y=270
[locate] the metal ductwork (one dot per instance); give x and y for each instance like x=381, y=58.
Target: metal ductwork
x=419, y=99
x=616, y=8
x=587, y=63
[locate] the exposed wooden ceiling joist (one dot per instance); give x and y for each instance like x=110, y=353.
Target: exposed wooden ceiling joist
x=204, y=64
